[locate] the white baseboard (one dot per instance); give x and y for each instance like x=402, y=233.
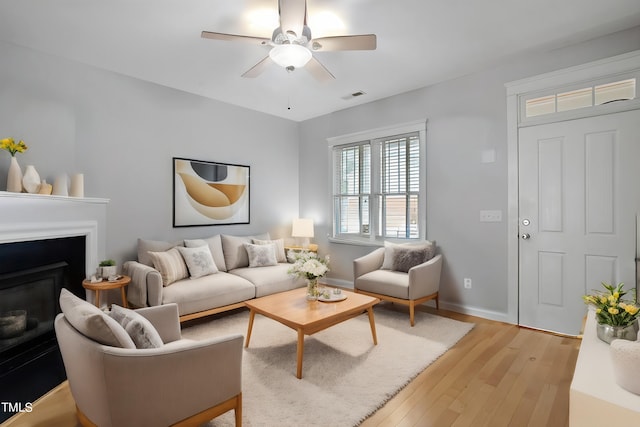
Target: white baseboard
x=458, y=308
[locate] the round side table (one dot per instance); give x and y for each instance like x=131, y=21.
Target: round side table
x=107, y=284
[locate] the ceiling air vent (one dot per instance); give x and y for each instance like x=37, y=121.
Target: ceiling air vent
x=354, y=95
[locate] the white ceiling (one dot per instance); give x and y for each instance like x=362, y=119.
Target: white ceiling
x=420, y=42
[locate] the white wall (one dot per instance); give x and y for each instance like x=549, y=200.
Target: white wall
x=465, y=116
x=122, y=134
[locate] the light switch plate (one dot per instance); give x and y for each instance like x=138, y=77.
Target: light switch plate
x=491, y=216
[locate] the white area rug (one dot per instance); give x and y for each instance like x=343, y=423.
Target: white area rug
x=345, y=378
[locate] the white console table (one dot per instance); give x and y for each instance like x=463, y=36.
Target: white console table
x=595, y=398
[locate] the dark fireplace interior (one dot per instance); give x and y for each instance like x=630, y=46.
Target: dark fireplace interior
x=32, y=273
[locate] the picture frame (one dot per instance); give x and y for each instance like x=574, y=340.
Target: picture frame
x=210, y=193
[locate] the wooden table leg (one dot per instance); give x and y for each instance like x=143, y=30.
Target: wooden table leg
x=98, y=298
x=373, y=325
x=124, y=298
x=252, y=314
x=300, y=353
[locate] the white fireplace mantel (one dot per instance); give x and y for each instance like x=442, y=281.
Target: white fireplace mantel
x=25, y=217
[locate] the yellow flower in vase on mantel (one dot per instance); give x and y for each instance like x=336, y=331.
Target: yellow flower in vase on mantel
x=10, y=145
x=14, y=177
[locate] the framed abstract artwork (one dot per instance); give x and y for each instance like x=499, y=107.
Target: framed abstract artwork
x=209, y=193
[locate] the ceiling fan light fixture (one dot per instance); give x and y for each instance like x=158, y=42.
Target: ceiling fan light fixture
x=290, y=55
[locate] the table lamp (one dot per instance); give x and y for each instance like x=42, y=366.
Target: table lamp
x=303, y=227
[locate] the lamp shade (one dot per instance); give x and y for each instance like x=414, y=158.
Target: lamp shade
x=290, y=55
x=302, y=227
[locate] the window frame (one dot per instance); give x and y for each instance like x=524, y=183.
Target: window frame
x=374, y=138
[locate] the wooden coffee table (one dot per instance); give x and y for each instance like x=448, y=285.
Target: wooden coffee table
x=292, y=309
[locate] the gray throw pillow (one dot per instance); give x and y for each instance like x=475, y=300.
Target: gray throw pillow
x=261, y=255
x=389, y=248
x=405, y=258
x=280, y=253
x=139, y=328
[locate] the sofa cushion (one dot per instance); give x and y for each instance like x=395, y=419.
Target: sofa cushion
x=385, y=282
x=170, y=264
x=141, y=331
x=281, y=256
x=261, y=255
x=199, y=261
x=144, y=246
x=235, y=254
x=92, y=322
x=271, y=279
x=204, y=293
x=215, y=246
x=391, y=260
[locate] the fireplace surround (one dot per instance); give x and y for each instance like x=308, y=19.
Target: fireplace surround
x=46, y=243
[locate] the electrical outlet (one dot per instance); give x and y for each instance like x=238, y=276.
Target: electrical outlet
x=467, y=283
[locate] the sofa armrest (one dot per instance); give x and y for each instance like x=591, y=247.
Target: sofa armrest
x=368, y=263
x=424, y=279
x=165, y=319
x=145, y=288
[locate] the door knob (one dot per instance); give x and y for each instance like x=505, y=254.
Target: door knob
x=526, y=236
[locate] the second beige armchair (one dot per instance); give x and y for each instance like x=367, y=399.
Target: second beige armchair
x=419, y=284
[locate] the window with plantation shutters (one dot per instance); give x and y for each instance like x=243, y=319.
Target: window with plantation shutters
x=378, y=185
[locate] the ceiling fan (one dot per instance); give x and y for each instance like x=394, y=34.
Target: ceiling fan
x=292, y=45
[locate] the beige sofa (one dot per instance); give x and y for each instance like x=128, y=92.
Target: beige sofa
x=240, y=275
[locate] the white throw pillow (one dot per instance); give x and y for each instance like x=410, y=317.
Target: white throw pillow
x=280, y=253
x=91, y=322
x=261, y=255
x=199, y=261
x=139, y=328
x=215, y=246
x=170, y=264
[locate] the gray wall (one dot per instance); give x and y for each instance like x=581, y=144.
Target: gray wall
x=122, y=134
x=465, y=117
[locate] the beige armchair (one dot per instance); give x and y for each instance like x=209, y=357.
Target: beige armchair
x=183, y=382
x=420, y=284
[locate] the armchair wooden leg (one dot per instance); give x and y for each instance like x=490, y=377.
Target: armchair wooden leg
x=238, y=411
x=412, y=311
x=437, y=302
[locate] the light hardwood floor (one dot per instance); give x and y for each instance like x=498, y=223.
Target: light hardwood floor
x=497, y=375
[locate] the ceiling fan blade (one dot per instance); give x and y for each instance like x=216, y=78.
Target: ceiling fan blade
x=234, y=38
x=319, y=71
x=359, y=42
x=293, y=14
x=257, y=69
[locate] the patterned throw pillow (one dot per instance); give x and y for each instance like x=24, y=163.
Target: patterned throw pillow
x=139, y=328
x=170, y=264
x=280, y=253
x=199, y=261
x=261, y=255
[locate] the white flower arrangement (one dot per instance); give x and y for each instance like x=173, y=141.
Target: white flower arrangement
x=308, y=265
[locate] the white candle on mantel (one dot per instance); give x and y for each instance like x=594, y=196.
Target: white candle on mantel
x=77, y=185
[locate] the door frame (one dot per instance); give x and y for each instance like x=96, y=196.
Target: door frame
x=516, y=92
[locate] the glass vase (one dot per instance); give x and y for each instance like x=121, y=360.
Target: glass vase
x=312, y=289
x=608, y=333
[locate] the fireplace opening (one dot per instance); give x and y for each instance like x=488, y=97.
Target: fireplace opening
x=32, y=273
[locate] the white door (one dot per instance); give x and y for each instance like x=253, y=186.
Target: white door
x=579, y=193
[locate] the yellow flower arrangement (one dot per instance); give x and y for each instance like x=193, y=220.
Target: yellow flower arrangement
x=611, y=309
x=12, y=147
